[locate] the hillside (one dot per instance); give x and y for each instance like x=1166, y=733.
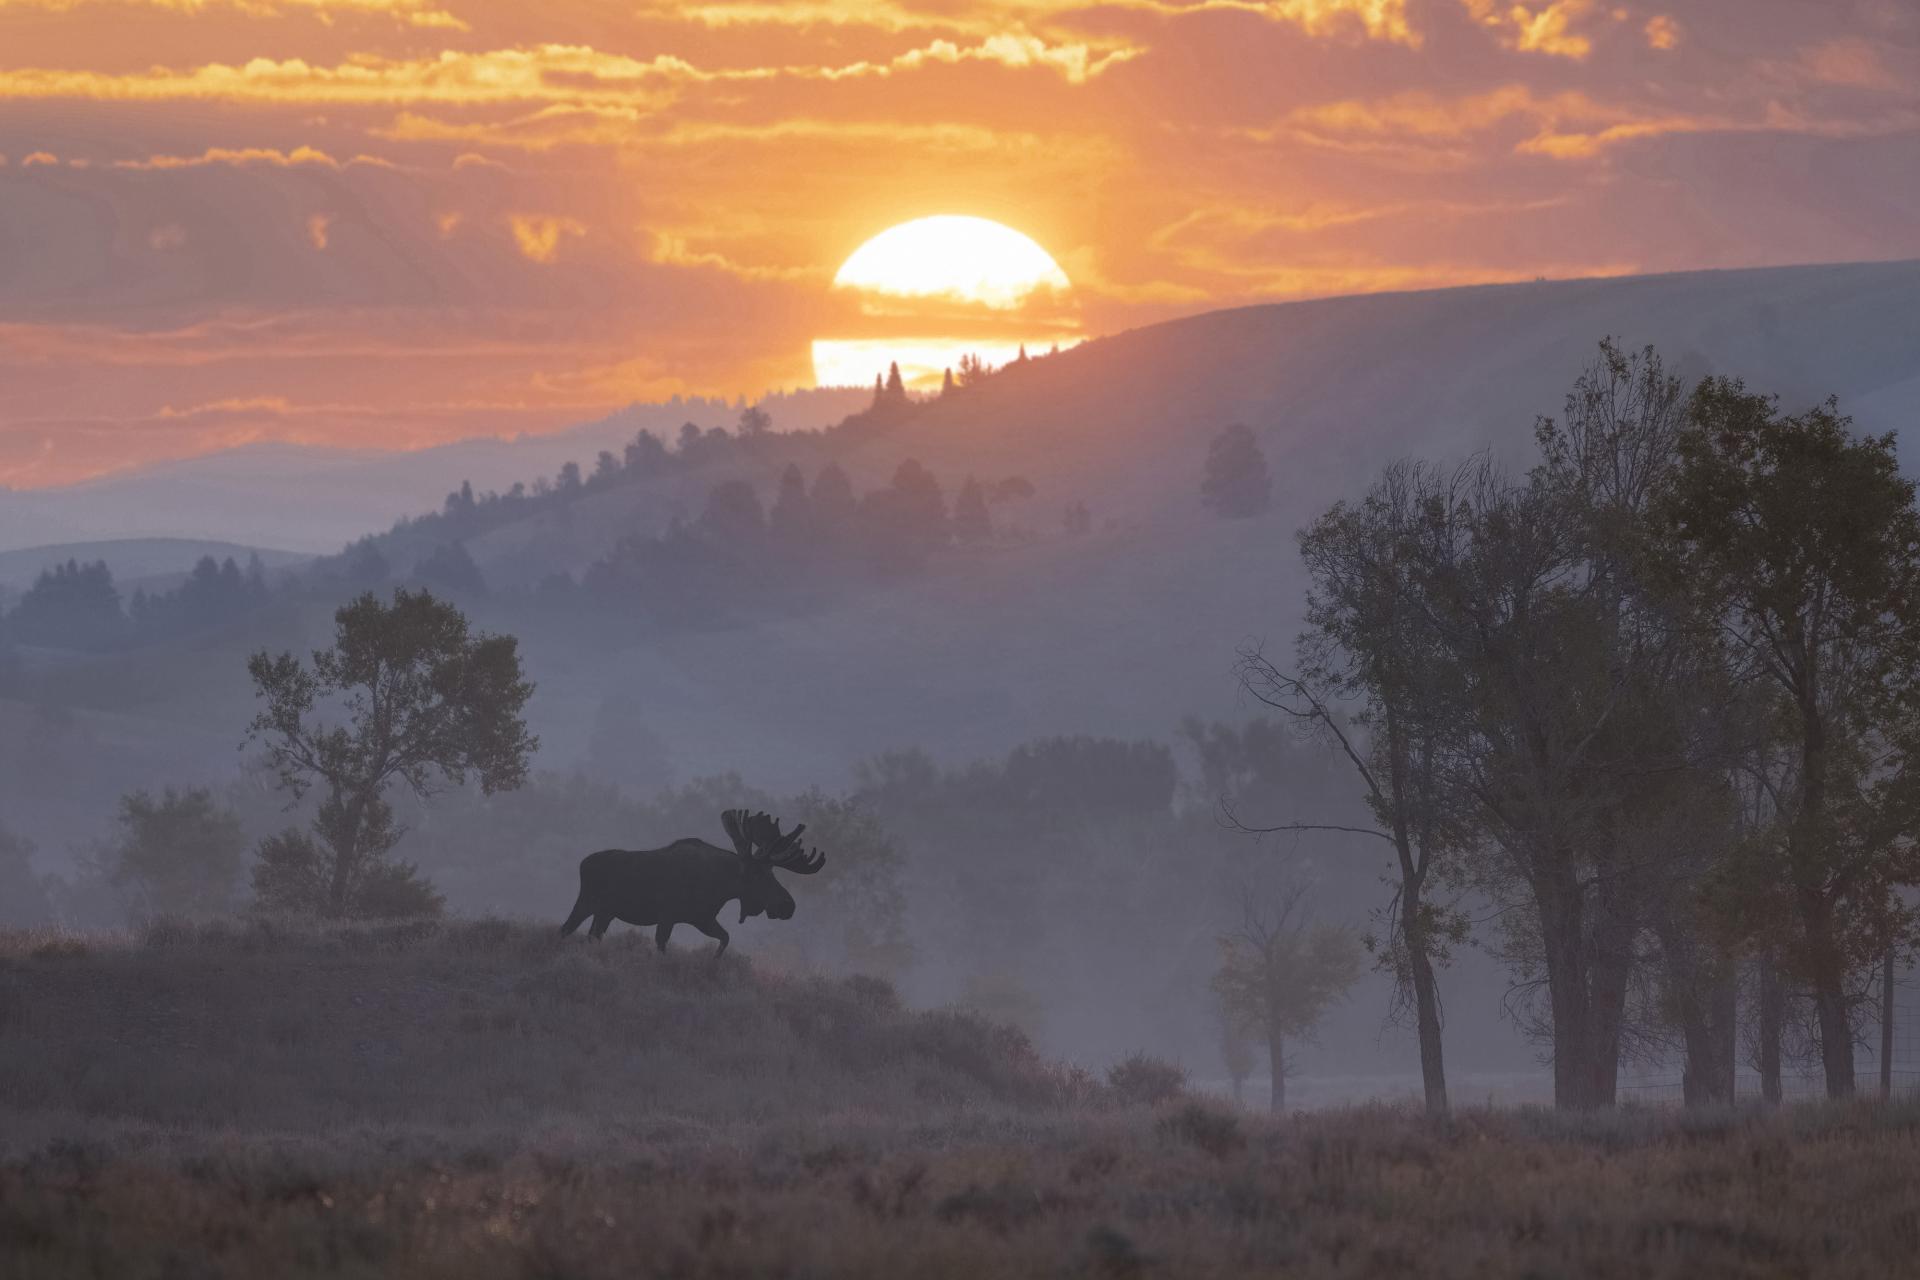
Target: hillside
x=1123, y=631
x=480, y=1026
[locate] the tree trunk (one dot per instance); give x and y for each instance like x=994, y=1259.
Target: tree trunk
x=1886, y=1024
x=1772, y=1021
x=1829, y=995
x=1564, y=946
x=1426, y=1003
x=1277, y=1057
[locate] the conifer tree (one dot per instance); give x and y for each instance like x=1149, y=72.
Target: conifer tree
x=1236, y=483
x=896, y=386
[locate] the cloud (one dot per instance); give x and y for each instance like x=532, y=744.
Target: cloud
x=1851, y=63
x=246, y=156
x=413, y=13
x=1547, y=28
x=538, y=235
x=1662, y=32
x=318, y=226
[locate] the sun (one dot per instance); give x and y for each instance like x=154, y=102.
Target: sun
x=936, y=288
x=962, y=259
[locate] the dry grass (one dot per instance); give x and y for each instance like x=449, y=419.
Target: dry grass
x=480, y=1101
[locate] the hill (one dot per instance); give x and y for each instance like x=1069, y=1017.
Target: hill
x=480, y=1027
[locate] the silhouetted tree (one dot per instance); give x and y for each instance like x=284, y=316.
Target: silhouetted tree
x=909, y=516
x=973, y=370
x=568, y=481
x=946, y=384
x=606, y=469
x=179, y=854
x=896, y=386
x=1235, y=482
x=425, y=701
x=645, y=455
x=1801, y=541
x=971, y=522
x=834, y=506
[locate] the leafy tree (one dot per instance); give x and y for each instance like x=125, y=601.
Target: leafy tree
x=23, y=898
x=292, y=873
x=178, y=854
x=419, y=698
x=1235, y=483
x=1279, y=974
x=645, y=454
x=909, y=516
x=1801, y=541
x=973, y=370
x=971, y=522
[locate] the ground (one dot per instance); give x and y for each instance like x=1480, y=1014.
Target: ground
x=486, y=1100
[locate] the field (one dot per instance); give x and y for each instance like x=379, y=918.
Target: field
x=486, y=1100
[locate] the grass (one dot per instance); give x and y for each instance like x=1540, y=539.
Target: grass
x=485, y=1101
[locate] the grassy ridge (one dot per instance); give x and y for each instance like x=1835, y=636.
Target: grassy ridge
x=485, y=1100
x=481, y=1024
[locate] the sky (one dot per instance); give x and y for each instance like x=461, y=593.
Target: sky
x=393, y=223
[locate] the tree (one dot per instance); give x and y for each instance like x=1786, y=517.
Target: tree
x=179, y=854
x=946, y=384
x=1801, y=541
x=450, y=570
x=1367, y=642
x=973, y=370
x=909, y=516
x=896, y=386
x=1235, y=483
x=69, y=606
x=791, y=519
x=733, y=515
x=424, y=700
x=1279, y=973
x=754, y=423
x=971, y=522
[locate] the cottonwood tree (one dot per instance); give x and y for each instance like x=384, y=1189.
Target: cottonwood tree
x=1369, y=643
x=1802, y=541
x=407, y=693
x=1280, y=972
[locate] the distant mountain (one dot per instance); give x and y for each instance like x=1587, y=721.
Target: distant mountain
x=148, y=562
x=317, y=499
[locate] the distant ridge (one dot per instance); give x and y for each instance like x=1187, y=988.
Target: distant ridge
x=135, y=560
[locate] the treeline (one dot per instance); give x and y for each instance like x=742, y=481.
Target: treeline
x=1654, y=699
x=78, y=606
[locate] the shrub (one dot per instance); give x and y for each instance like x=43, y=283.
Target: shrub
x=1142, y=1080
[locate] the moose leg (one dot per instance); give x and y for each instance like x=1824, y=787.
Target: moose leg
x=580, y=912
x=713, y=930
x=600, y=925
x=661, y=935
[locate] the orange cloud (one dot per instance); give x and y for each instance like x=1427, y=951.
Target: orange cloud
x=538, y=235
x=415, y=13
x=247, y=156
x=317, y=227
x=1547, y=28
x=1662, y=32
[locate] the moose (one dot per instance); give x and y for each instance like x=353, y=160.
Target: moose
x=688, y=881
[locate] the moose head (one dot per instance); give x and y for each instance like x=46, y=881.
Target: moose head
x=763, y=847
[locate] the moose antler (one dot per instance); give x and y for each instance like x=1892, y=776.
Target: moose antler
x=758, y=836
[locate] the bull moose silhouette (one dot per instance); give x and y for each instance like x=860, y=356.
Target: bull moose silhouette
x=688, y=881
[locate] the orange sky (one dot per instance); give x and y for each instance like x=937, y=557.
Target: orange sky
x=394, y=222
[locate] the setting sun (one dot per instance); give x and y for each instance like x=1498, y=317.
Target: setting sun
x=962, y=259
x=939, y=287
